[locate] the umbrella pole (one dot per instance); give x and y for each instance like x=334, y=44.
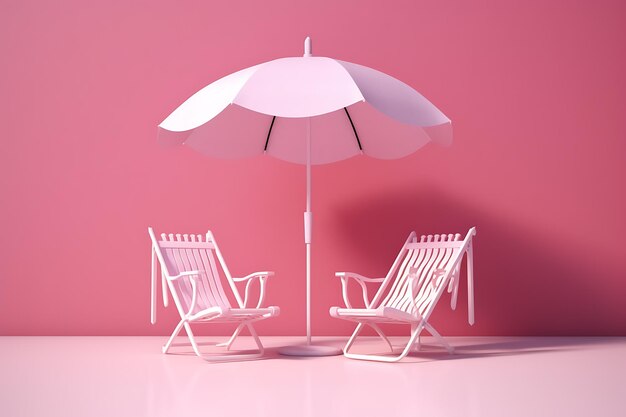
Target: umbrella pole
x=308, y=220
x=309, y=349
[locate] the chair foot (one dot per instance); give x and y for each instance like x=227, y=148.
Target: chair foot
x=382, y=335
x=430, y=329
x=415, y=332
x=169, y=342
x=221, y=357
x=375, y=358
x=230, y=341
x=233, y=357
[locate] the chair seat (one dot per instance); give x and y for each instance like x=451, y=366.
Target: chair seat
x=380, y=314
x=234, y=314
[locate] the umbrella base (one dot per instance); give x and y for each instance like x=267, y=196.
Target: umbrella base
x=309, y=350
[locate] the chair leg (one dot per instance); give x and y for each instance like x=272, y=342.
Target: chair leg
x=430, y=329
x=355, y=334
x=415, y=331
x=418, y=343
x=256, y=338
x=239, y=357
x=382, y=335
x=220, y=358
x=230, y=341
x=194, y=345
x=177, y=330
x=179, y=327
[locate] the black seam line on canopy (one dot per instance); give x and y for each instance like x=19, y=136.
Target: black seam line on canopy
x=269, y=132
x=356, y=135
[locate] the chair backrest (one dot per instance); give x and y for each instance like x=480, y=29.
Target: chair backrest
x=433, y=261
x=178, y=253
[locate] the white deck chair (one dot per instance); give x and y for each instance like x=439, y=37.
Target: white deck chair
x=191, y=273
x=418, y=278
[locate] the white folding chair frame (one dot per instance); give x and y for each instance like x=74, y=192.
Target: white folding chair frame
x=429, y=272
x=187, y=249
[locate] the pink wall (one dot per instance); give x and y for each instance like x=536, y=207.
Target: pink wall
x=536, y=91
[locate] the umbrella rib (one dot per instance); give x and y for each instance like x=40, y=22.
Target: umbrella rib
x=356, y=135
x=269, y=132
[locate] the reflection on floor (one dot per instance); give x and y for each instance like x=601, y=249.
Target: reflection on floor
x=488, y=376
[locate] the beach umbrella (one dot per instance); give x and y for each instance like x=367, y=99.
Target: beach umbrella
x=308, y=110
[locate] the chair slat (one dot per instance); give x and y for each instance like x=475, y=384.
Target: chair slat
x=212, y=288
x=400, y=274
x=427, y=259
x=403, y=281
x=174, y=267
x=207, y=282
x=402, y=302
x=202, y=300
x=423, y=274
x=433, y=252
x=219, y=294
x=192, y=245
x=188, y=265
x=424, y=245
x=431, y=286
x=188, y=252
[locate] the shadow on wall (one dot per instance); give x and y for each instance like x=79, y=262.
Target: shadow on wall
x=524, y=285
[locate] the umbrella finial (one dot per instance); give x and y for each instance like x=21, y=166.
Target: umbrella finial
x=307, y=46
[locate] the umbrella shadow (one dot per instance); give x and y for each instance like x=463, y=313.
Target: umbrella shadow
x=525, y=285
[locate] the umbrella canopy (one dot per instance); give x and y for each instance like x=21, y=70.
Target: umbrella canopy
x=307, y=110
x=353, y=109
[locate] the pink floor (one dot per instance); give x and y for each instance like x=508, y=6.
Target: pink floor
x=128, y=376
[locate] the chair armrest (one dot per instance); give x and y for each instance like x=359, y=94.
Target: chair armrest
x=184, y=274
x=361, y=280
x=194, y=286
x=255, y=275
x=358, y=277
x=262, y=276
